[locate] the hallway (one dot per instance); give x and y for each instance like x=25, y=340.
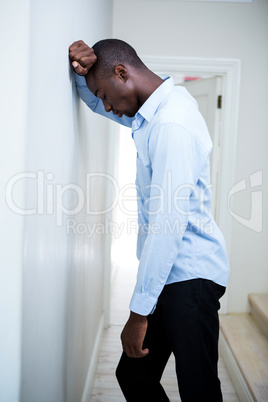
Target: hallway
x=105, y=387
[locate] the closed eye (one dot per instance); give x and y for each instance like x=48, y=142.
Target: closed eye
x=102, y=97
x=98, y=95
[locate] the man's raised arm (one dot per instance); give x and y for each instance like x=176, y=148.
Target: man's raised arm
x=83, y=58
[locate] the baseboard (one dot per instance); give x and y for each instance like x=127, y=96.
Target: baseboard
x=234, y=372
x=93, y=362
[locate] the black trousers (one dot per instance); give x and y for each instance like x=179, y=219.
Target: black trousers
x=186, y=323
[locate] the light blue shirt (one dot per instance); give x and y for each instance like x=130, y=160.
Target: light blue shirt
x=178, y=238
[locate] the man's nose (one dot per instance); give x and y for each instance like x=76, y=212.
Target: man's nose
x=107, y=106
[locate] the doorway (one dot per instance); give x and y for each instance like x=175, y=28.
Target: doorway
x=208, y=94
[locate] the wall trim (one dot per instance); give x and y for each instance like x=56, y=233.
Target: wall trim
x=230, y=71
x=93, y=362
x=238, y=381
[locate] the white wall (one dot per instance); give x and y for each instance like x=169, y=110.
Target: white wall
x=51, y=281
x=15, y=28
x=219, y=30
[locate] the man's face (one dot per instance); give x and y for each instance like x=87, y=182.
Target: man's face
x=117, y=94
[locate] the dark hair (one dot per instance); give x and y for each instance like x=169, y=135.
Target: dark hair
x=111, y=52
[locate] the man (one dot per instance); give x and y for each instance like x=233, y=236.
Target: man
x=183, y=264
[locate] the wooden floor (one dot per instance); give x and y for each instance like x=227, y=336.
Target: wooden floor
x=106, y=388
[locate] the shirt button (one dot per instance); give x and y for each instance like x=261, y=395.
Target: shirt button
x=162, y=281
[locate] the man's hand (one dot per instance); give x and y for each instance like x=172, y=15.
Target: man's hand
x=133, y=335
x=83, y=57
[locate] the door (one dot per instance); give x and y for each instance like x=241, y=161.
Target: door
x=208, y=94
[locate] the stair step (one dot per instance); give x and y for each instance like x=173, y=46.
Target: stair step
x=249, y=347
x=259, y=310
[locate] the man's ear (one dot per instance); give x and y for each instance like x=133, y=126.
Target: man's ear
x=121, y=71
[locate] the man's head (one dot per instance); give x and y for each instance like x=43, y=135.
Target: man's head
x=116, y=76
x=111, y=52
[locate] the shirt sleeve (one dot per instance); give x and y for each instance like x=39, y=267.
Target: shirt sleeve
x=95, y=103
x=177, y=160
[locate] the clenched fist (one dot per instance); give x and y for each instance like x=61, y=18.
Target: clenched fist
x=82, y=56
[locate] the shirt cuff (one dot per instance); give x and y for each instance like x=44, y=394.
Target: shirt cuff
x=80, y=80
x=142, y=304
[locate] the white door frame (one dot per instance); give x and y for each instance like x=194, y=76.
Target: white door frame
x=229, y=70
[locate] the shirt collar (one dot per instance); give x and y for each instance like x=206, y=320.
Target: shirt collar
x=148, y=109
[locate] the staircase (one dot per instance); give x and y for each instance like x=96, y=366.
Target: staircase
x=244, y=348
